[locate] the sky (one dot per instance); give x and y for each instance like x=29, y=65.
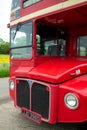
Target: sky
x=5, y=7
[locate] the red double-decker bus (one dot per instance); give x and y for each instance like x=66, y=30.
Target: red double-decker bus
x=48, y=56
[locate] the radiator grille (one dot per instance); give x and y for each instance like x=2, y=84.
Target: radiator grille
x=40, y=99
x=23, y=94
x=34, y=97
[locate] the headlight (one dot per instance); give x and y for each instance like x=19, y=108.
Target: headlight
x=11, y=86
x=71, y=101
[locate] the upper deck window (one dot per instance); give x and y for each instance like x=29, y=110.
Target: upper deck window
x=15, y=4
x=29, y=2
x=15, y=9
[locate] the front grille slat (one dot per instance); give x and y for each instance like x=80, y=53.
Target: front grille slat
x=40, y=99
x=23, y=94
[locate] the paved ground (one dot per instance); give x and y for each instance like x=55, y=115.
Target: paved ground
x=11, y=118
x=4, y=87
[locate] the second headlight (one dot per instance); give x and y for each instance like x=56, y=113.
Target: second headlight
x=71, y=101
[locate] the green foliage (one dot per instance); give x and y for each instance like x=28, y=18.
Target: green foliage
x=4, y=73
x=4, y=70
x=4, y=47
x=1, y=41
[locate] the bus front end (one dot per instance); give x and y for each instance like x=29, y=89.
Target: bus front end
x=48, y=60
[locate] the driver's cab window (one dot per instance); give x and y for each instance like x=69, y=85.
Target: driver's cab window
x=50, y=41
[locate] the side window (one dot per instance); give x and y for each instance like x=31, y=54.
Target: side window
x=82, y=46
x=54, y=47
x=50, y=41
x=38, y=43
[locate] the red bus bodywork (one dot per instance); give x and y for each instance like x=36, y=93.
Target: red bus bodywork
x=47, y=87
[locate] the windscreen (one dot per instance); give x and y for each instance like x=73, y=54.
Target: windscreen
x=21, y=41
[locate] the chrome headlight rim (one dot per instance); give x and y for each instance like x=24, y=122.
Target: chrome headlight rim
x=11, y=85
x=74, y=99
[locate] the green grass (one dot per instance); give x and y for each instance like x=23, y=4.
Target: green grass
x=4, y=67
x=4, y=73
x=4, y=70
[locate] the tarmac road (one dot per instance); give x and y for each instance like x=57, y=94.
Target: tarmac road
x=11, y=118
x=4, y=84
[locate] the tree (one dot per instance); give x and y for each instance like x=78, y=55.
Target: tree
x=4, y=47
x=1, y=41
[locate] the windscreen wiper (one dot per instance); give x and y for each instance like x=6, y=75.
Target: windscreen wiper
x=17, y=29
